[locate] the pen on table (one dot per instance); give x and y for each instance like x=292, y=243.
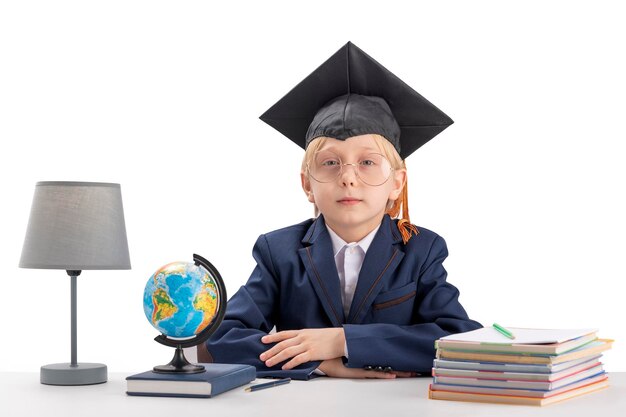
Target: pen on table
x=268, y=384
x=504, y=331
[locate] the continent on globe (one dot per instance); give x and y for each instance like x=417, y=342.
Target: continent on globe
x=163, y=306
x=206, y=301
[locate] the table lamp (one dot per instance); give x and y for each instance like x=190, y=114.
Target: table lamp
x=75, y=226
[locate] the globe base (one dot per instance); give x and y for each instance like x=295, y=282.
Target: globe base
x=73, y=374
x=179, y=364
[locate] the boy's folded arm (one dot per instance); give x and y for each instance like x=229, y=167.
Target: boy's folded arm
x=404, y=348
x=249, y=316
x=233, y=342
x=437, y=313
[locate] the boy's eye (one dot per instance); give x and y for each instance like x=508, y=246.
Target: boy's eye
x=367, y=162
x=331, y=163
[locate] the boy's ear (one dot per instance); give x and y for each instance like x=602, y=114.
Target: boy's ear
x=306, y=187
x=399, y=179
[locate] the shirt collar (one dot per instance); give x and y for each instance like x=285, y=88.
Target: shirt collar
x=339, y=243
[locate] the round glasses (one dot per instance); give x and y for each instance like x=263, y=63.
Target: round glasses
x=373, y=168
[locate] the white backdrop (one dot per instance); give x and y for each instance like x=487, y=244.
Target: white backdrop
x=527, y=187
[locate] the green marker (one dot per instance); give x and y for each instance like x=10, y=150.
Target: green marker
x=504, y=331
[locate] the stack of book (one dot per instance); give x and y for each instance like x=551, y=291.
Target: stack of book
x=537, y=367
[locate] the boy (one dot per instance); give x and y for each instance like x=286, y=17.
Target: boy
x=352, y=293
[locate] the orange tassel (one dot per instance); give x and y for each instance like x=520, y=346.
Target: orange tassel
x=406, y=229
x=404, y=224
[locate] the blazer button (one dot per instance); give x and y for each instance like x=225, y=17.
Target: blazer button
x=379, y=368
x=387, y=369
x=368, y=367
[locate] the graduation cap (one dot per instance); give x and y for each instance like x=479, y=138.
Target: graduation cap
x=351, y=94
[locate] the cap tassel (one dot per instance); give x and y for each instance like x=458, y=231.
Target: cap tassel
x=407, y=230
x=404, y=224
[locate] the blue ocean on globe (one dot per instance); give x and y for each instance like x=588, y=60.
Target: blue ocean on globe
x=180, y=299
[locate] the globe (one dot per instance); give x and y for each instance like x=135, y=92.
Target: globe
x=181, y=299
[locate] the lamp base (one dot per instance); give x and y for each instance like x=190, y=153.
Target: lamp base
x=68, y=374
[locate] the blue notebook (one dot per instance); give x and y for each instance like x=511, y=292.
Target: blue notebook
x=217, y=378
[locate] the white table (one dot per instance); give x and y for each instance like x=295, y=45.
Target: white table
x=21, y=394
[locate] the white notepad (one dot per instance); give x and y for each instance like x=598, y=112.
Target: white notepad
x=522, y=335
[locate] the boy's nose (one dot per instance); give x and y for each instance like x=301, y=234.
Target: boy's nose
x=348, y=174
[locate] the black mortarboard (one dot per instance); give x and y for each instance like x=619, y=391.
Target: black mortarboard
x=351, y=94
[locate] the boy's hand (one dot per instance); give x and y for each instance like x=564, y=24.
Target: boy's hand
x=303, y=345
x=336, y=368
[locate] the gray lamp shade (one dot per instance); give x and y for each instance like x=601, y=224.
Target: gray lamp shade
x=76, y=226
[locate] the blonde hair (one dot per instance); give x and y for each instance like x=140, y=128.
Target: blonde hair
x=398, y=208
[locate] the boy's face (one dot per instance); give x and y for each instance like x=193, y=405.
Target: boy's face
x=351, y=207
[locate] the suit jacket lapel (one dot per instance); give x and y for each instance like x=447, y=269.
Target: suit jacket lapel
x=318, y=259
x=381, y=260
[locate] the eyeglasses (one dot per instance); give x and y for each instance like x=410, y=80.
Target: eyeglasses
x=373, y=169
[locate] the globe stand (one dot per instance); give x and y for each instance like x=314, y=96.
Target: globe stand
x=179, y=364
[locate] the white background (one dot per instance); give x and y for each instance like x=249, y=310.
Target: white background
x=527, y=187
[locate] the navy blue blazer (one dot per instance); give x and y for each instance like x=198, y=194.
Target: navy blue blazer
x=402, y=302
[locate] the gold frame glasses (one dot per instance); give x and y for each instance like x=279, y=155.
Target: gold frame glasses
x=373, y=169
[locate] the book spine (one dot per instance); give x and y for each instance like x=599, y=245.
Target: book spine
x=152, y=394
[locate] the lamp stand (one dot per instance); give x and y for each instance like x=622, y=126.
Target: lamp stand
x=73, y=373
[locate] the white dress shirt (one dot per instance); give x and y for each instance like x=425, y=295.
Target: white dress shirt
x=349, y=260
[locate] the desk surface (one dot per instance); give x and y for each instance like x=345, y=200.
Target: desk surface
x=21, y=394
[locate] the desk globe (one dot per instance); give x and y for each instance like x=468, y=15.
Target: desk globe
x=186, y=302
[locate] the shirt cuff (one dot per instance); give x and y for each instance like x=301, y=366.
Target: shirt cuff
x=318, y=371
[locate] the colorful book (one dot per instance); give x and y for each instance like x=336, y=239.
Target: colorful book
x=516, y=376
x=216, y=378
x=517, y=391
x=517, y=399
x=517, y=348
x=588, y=350
x=518, y=383
x=512, y=367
